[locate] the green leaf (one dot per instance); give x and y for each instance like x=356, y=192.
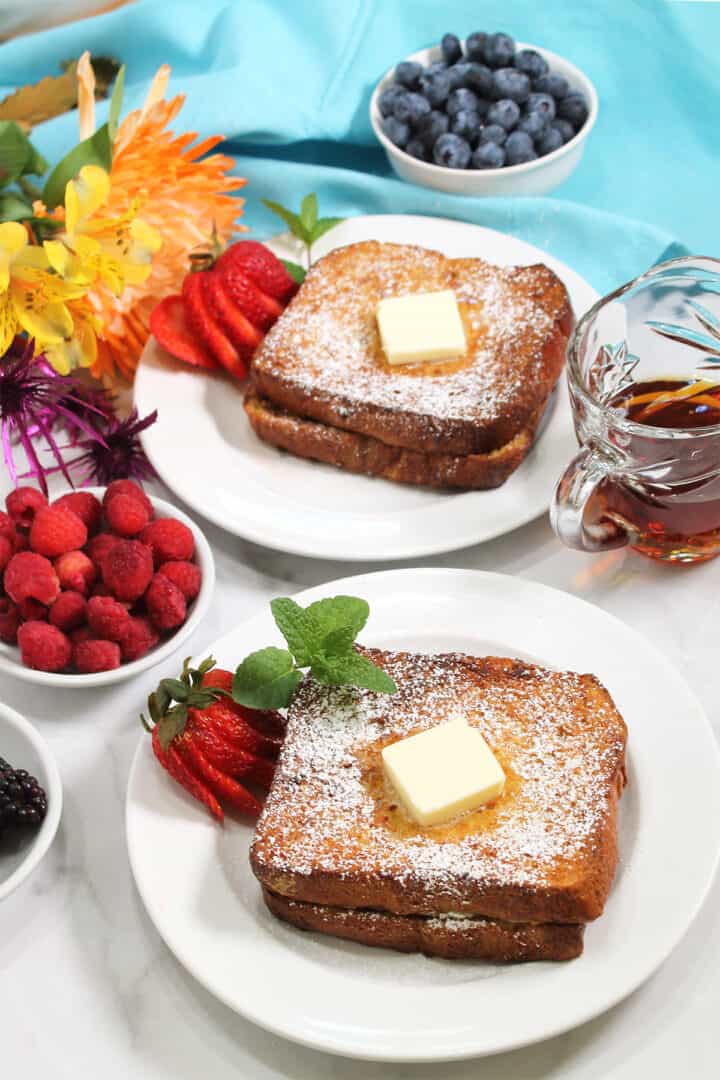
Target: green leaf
x=174, y=688
x=338, y=642
x=296, y=272
x=15, y=151
x=13, y=208
x=162, y=701
x=36, y=165
x=172, y=724
x=352, y=670
x=97, y=150
x=297, y=627
x=116, y=103
x=266, y=679
x=322, y=226
x=291, y=220
x=309, y=213
x=339, y=612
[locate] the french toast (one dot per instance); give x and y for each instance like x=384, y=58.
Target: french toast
x=333, y=836
x=323, y=360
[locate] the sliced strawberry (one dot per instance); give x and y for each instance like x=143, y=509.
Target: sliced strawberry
x=234, y=320
x=262, y=310
x=206, y=326
x=223, y=786
x=231, y=759
x=180, y=771
x=170, y=327
x=223, y=718
x=261, y=266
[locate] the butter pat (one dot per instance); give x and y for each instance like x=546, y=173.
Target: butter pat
x=442, y=772
x=421, y=327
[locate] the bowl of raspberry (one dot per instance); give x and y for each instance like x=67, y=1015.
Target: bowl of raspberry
x=484, y=116
x=30, y=799
x=97, y=585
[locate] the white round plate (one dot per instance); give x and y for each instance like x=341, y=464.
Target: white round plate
x=350, y=999
x=205, y=450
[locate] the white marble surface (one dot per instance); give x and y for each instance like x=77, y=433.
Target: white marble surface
x=87, y=988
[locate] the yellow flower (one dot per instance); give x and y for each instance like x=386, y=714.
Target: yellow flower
x=32, y=298
x=115, y=251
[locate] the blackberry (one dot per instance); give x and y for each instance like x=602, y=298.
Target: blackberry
x=23, y=803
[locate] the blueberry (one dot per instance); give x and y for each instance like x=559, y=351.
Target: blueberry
x=551, y=140
x=417, y=149
x=531, y=62
x=451, y=48
x=565, y=128
x=431, y=126
x=408, y=74
x=493, y=133
x=452, y=151
x=543, y=104
x=461, y=99
x=504, y=112
x=488, y=156
x=534, y=124
x=499, y=51
x=387, y=98
x=519, y=148
x=483, y=107
x=466, y=123
x=457, y=74
x=435, y=86
x=396, y=131
x=409, y=107
x=479, y=78
x=553, y=84
x=574, y=109
x=475, y=46
x=509, y=83
x=438, y=65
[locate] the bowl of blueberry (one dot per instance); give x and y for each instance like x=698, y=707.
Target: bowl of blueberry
x=30, y=799
x=484, y=116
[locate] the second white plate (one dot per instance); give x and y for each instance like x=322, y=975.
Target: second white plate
x=204, y=449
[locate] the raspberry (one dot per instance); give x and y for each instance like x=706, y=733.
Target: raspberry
x=23, y=503
x=28, y=574
x=106, y=617
x=7, y=551
x=7, y=527
x=127, y=487
x=138, y=637
x=21, y=541
x=75, y=571
x=86, y=506
x=127, y=569
x=126, y=515
x=32, y=610
x=43, y=646
x=99, y=546
x=9, y=621
x=185, y=575
x=55, y=530
x=100, y=590
x=83, y=633
x=96, y=655
x=69, y=611
x=169, y=540
x=165, y=603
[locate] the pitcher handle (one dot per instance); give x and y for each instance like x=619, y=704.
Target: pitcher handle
x=568, y=511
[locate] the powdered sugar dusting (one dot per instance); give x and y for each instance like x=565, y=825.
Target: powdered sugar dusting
x=557, y=734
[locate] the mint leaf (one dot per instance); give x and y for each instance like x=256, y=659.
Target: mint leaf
x=309, y=214
x=116, y=103
x=296, y=626
x=339, y=612
x=352, y=670
x=322, y=226
x=291, y=220
x=97, y=150
x=338, y=642
x=15, y=151
x=296, y=272
x=266, y=679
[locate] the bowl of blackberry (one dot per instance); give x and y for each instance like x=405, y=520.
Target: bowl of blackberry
x=484, y=116
x=30, y=799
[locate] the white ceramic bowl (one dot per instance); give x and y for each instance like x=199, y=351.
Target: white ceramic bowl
x=11, y=663
x=24, y=748
x=532, y=178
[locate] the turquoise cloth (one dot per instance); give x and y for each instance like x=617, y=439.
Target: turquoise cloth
x=289, y=82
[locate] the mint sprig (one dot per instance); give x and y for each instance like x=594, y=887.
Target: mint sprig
x=306, y=226
x=319, y=637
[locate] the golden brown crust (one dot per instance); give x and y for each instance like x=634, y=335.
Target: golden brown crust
x=322, y=359
x=454, y=939
x=368, y=456
x=546, y=851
